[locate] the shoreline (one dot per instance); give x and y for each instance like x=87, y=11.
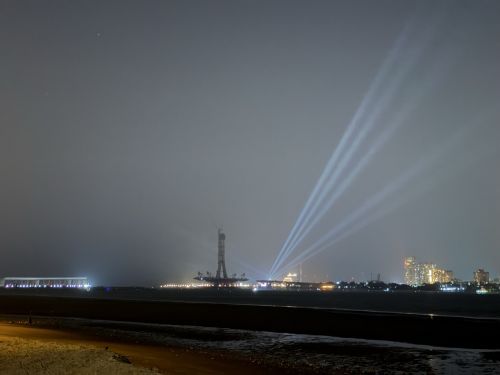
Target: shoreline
x=210, y=350
x=157, y=358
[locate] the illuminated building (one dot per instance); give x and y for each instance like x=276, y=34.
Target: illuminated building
x=424, y=273
x=329, y=286
x=45, y=282
x=410, y=271
x=290, y=278
x=482, y=290
x=293, y=285
x=443, y=276
x=481, y=276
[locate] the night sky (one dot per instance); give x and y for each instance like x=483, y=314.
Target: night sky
x=130, y=130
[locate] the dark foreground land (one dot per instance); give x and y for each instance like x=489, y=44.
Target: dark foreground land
x=238, y=311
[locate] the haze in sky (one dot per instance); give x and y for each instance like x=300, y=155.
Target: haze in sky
x=130, y=130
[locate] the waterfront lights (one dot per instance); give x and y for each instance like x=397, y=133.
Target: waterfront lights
x=46, y=282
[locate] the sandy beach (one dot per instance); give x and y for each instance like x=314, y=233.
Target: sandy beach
x=33, y=350
x=29, y=356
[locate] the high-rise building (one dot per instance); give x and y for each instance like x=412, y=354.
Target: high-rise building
x=424, y=273
x=446, y=276
x=438, y=275
x=481, y=276
x=410, y=271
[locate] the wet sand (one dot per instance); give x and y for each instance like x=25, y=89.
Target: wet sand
x=99, y=352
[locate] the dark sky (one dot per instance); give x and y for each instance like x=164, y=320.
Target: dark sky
x=130, y=129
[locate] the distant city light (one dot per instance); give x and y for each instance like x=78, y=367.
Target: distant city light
x=425, y=273
x=199, y=285
x=45, y=282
